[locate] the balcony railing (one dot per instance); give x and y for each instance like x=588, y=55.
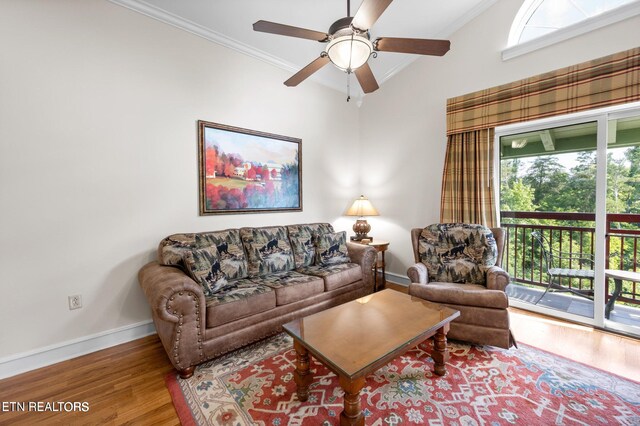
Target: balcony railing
x=572, y=233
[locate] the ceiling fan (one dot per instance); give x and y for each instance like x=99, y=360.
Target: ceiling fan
x=349, y=44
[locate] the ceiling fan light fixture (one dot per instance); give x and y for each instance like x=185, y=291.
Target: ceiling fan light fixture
x=349, y=52
x=349, y=44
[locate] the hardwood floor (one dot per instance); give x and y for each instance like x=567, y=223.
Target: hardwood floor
x=125, y=384
x=607, y=351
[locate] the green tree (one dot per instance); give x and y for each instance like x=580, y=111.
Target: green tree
x=544, y=176
x=633, y=202
x=579, y=194
x=517, y=197
x=510, y=170
x=619, y=191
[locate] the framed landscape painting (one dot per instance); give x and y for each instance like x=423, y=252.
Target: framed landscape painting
x=246, y=171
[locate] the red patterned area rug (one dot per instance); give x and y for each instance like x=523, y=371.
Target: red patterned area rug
x=483, y=386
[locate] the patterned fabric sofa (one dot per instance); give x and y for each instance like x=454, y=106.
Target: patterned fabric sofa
x=458, y=265
x=213, y=292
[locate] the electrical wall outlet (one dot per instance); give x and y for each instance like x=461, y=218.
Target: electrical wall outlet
x=75, y=302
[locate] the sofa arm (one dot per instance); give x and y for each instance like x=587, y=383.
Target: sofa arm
x=366, y=257
x=418, y=273
x=178, y=308
x=497, y=278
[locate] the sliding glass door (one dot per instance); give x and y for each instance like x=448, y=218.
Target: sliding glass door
x=622, y=255
x=560, y=180
x=548, y=205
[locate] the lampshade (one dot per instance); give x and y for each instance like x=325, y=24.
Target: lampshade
x=362, y=207
x=349, y=52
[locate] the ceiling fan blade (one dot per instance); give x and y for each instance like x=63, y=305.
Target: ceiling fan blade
x=366, y=79
x=305, y=72
x=418, y=46
x=288, y=30
x=368, y=13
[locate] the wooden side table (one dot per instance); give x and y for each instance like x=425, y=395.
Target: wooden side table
x=381, y=247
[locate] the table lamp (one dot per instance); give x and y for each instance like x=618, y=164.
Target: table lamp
x=361, y=207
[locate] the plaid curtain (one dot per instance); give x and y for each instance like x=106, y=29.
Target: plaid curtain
x=612, y=80
x=467, y=190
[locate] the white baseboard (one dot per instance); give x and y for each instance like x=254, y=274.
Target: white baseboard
x=42, y=357
x=48, y=355
x=397, y=278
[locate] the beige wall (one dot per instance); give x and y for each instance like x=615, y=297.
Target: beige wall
x=98, y=156
x=403, y=127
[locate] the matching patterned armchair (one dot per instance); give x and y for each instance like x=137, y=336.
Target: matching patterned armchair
x=458, y=265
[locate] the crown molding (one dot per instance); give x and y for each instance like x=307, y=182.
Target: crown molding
x=445, y=34
x=162, y=15
x=166, y=17
x=607, y=18
x=196, y=29
x=466, y=18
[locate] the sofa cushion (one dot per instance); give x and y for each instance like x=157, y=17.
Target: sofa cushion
x=331, y=249
x=233, y=262
x=334, y=276
x=230, y=250
x=291, y=286
x=268, y=250
x=303, y=241
x=203, y=265
x=457, y=253
x=172, y=248
x=243, y=299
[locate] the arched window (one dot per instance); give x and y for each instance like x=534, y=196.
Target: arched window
x=538, y=19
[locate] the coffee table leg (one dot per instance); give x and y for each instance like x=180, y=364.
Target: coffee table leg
x=352, y=413
x=440, y=353
x=302, y=375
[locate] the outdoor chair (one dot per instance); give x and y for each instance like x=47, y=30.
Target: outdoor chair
x=555, y=260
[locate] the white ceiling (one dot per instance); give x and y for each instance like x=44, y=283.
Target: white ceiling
x=229, y=22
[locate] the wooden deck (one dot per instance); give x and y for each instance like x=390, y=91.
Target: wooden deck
x=577, y=305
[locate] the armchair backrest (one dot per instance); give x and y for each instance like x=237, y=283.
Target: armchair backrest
x=498, y=234
x=444, y=246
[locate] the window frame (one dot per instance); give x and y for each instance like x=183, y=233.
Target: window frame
x=602, y=116
x=528, y=8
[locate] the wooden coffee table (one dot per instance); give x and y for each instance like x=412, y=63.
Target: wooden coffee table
x=357, y=338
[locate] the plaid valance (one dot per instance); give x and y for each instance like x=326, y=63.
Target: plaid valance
x=614, y=79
